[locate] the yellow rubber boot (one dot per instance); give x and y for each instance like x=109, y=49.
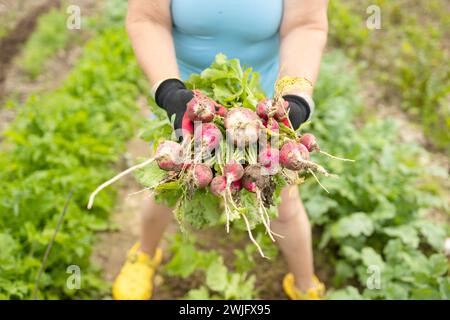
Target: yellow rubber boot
x=317, y=292
x=135, y=279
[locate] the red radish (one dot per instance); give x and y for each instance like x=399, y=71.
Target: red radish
x=200, y=108
x=263, y=107
x=266, y=107
x=269, y=158
x=187, y=125
x=254, y=178
x=221, y=111
x=187, y=164
x=202, y=175
x=281, y=110
x=248, y=184
x=309, y=141
x=242, y=125
x=236, y=186
x=233, y=171
x=271, y=169
x=286, y=122
x=218, y=185
x=268, y=155
x=271, y=124
x=208, y=136
x=169, y=155
x=293, y=154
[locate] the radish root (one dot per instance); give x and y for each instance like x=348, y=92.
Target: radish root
x=265, y=217
x=139, y=192
x=309, y=165
x=334, y=157
x=249, y=230
x=318, y=181
x=117, y=177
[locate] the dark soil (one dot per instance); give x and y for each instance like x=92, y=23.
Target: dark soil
x=12, y=43
x=268, y=286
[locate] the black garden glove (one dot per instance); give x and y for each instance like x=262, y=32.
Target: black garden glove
x=299, y=109
x=172, y=96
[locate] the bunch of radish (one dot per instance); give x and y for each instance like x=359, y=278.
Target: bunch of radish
x=229, y=149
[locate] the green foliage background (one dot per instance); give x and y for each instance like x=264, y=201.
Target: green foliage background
x=60, y=140
x=377, y=214
x=407, y=58
x=49, y=37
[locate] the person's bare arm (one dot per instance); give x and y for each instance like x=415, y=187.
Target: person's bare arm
x=149, y=26
x=303, y=35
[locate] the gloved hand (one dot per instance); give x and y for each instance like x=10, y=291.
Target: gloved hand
x=172, y=96
x=300, y=109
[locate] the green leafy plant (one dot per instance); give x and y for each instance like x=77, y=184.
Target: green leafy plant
x=65, y=139
x=407, y=58
x=50, y=36
x=379, y=202
x=220, y=282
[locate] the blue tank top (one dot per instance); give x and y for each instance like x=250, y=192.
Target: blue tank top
x=244, y=29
